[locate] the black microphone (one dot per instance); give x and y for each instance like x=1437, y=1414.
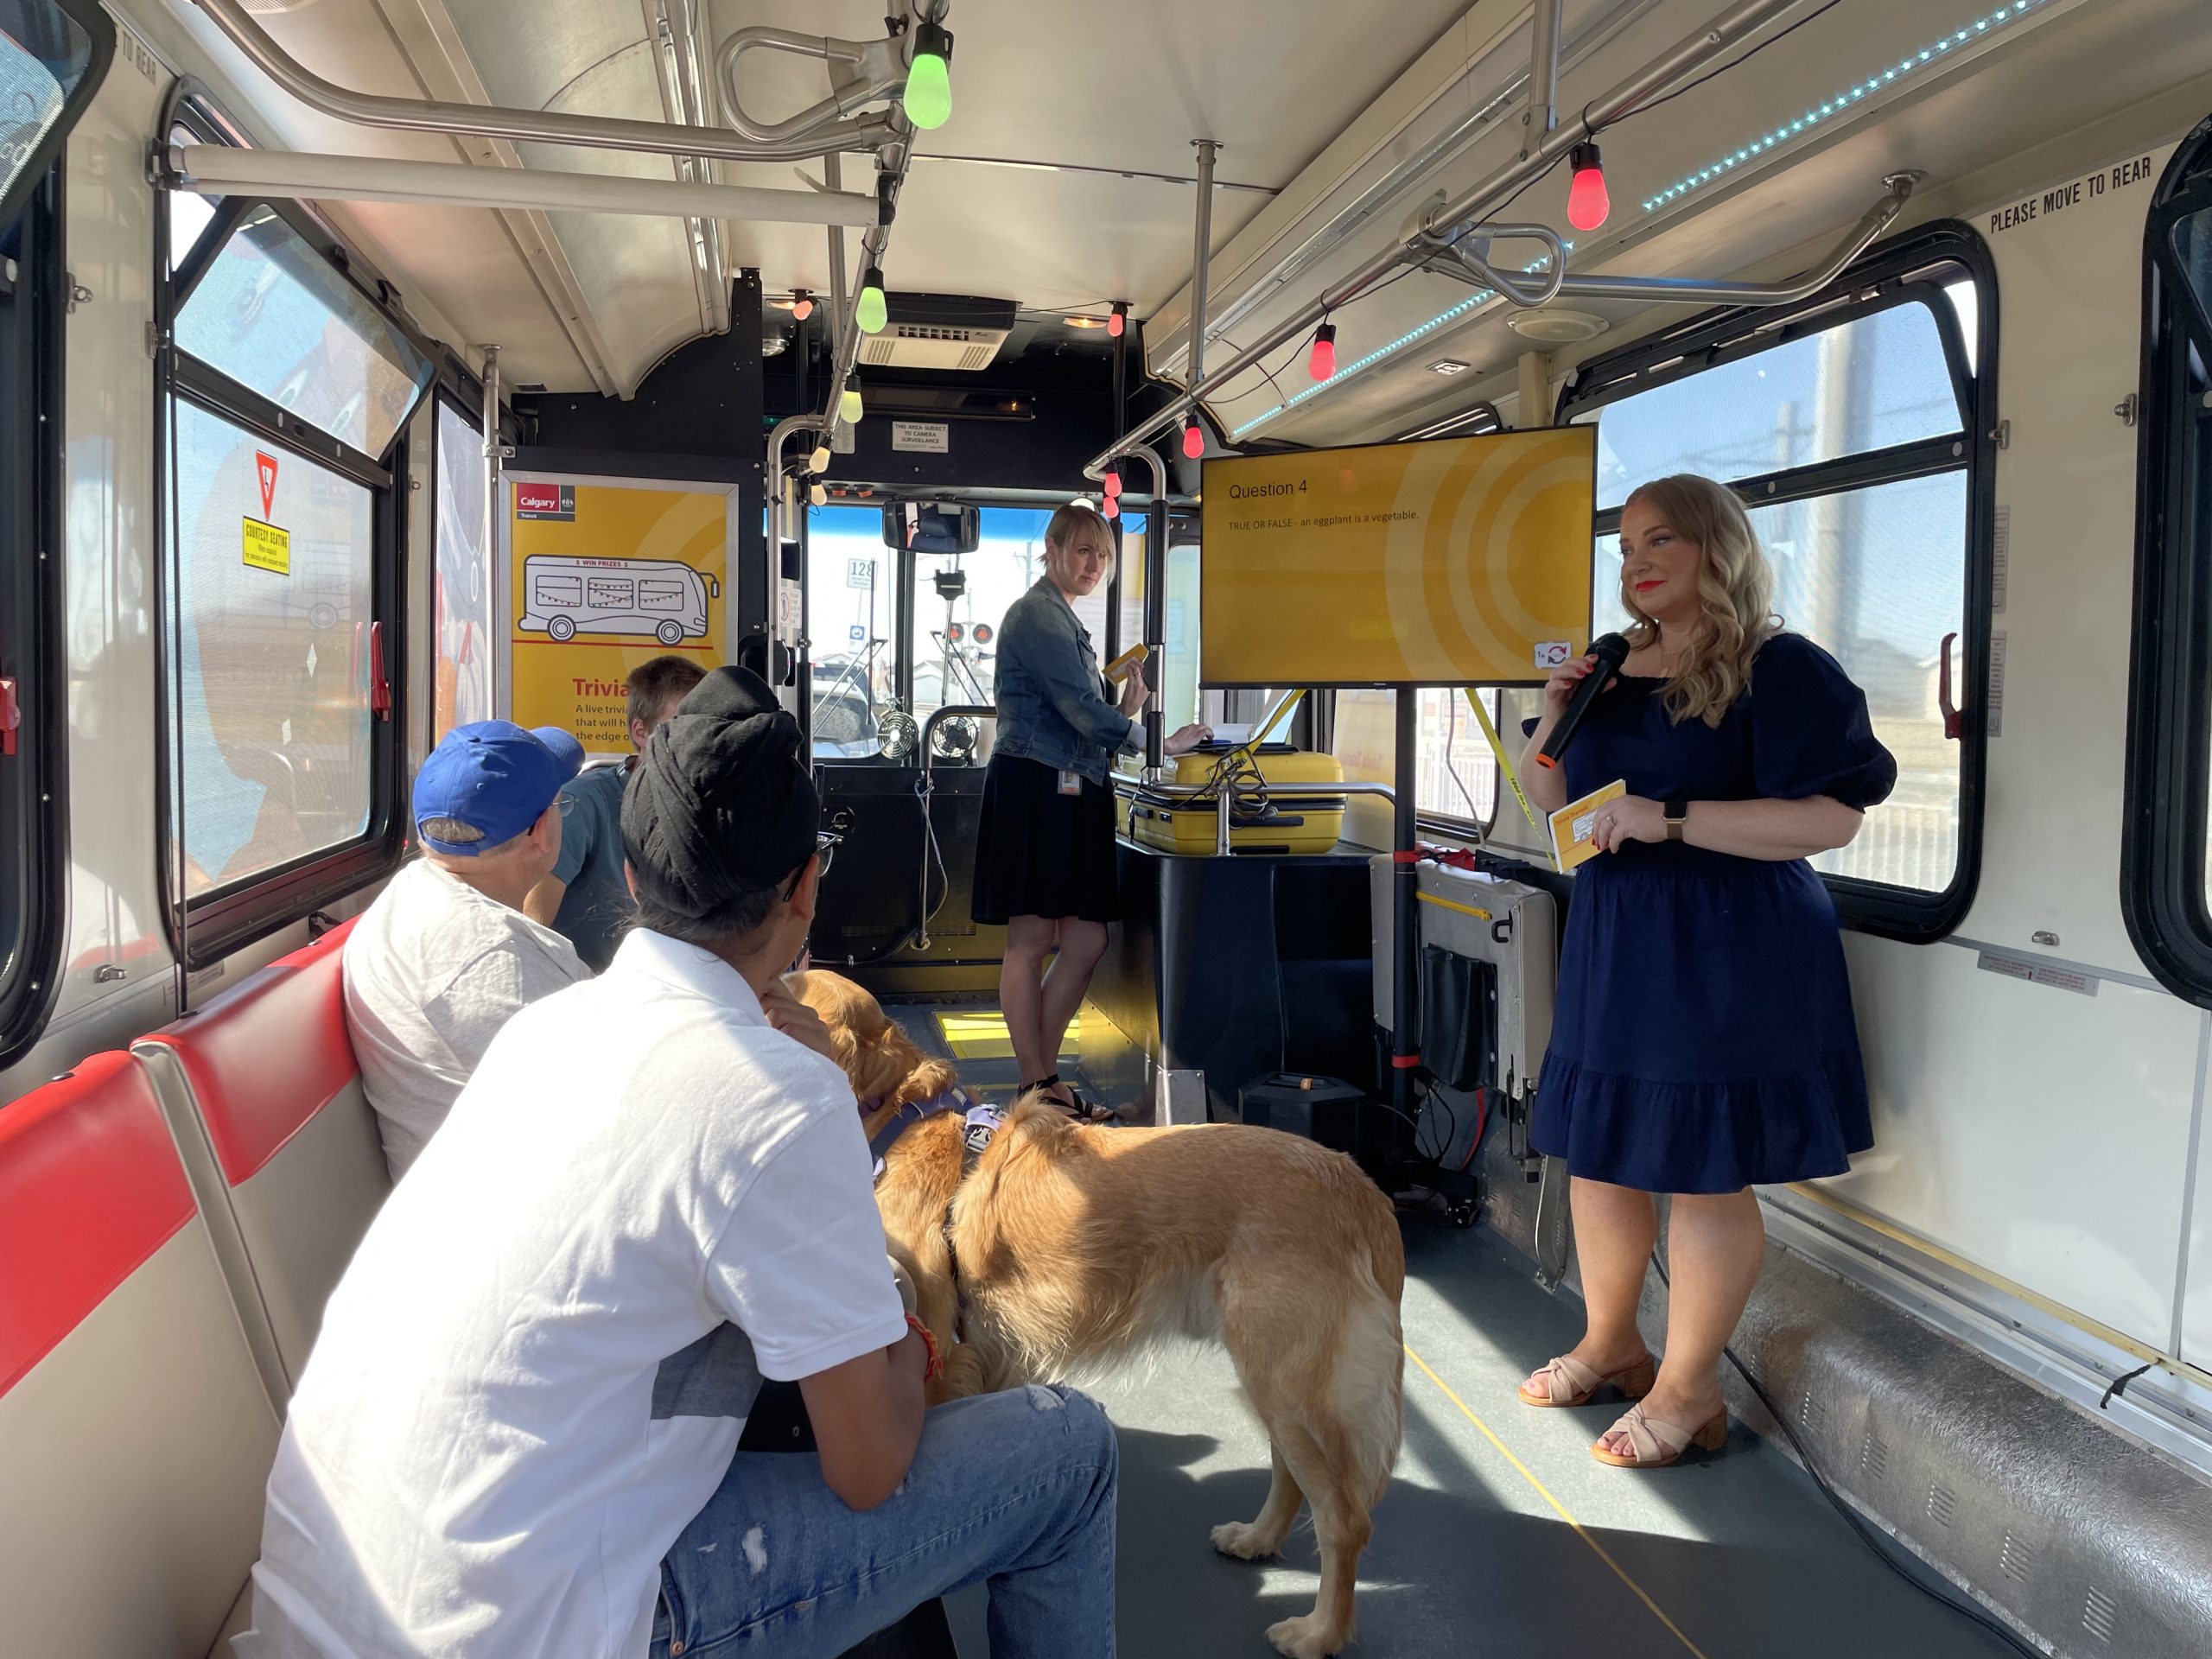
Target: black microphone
x=1612, y=650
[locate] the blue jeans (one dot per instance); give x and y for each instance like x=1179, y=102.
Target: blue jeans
x=1016, y=1489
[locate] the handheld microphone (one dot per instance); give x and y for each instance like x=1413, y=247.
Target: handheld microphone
x=1612, y=650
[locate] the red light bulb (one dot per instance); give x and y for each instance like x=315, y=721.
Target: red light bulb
x=1194, y=440
x=1109, y=508
x=801, y=305
x=1588, y=204
x=1322, y=363
x=1116, y=321
x=1113, y=482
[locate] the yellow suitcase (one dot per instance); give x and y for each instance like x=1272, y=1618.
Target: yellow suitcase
x=1260, y=821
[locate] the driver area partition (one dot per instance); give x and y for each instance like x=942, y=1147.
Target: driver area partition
x=871, y=902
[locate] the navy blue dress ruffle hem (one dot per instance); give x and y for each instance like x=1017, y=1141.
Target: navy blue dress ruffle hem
x=1703, y=1039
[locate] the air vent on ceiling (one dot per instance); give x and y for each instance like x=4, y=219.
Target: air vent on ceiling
x=940, y=331
x=932, y=346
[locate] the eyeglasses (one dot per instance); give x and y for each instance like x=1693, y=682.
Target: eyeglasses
x=825, y=852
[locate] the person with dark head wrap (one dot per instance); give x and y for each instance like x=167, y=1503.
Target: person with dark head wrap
x=519, y=1430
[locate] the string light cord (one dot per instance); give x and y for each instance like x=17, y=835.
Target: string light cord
x=1714, y=74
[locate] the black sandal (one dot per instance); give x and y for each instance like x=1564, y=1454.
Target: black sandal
x=1082, y=1110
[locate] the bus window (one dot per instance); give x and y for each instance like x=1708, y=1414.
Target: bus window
x=1848, y=439
x=463, y=693
x=271, y=694
x=273, y=315
x=53, y=54
x=852, y=589
x=2166, y=855
x=1455, y=777
x=1176, y=676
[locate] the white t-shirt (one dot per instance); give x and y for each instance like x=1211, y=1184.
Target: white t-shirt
x=534, y=1373
x=433, y=971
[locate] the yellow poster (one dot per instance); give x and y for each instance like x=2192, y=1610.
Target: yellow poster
x=1452, y=561
x=265, y=547
x=605, y=575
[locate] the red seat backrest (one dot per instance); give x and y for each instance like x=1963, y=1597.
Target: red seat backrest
x=90, y=1189
x=293, y=1008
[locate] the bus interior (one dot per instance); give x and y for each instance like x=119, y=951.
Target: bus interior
x=526, y=339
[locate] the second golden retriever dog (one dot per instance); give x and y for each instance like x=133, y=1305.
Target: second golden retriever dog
x=1064, y=1246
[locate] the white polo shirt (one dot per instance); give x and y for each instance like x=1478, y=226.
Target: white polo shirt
x=535, y=1370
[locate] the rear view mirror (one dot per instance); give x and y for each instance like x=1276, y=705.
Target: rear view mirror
x=932, y=527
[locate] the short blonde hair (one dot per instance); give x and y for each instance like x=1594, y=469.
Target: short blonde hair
x=1076, y=516
x=1735, y=589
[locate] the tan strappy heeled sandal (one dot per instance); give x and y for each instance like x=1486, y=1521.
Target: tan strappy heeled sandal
x=1653, y=1442
x=1569, y=1382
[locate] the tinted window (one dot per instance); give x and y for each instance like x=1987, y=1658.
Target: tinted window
x=463, y=692
x=277, y=317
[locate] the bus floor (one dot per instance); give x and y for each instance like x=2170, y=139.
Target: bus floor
x=1500, y=1534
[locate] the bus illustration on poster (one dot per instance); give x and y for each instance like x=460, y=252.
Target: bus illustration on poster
x=565, y=597
x=602, y=575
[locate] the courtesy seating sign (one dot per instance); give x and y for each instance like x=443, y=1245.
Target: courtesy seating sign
x=1451, y=561
x=604, y=575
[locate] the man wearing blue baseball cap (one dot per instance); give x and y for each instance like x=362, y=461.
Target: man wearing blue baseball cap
x=445, y=955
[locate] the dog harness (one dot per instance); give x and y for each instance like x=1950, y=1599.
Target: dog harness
x=955, y=1098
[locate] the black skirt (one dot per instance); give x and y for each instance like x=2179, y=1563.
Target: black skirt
x=1041, y=853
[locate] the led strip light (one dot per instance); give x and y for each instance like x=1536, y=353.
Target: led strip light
x=1936, y=51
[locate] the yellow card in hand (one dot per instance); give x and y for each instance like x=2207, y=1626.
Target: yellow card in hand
x=1574, y=823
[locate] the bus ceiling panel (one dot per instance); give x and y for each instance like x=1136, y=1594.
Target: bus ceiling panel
x=1269, y=78
x=1964, y=117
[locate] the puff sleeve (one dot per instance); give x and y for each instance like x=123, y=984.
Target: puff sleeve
x=1810, y=731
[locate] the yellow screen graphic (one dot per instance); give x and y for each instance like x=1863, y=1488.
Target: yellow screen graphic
x=604, y=577
x=1454, y=561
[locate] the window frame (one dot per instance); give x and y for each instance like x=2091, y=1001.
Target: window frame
x=33, y=651
x=205, y=927
x=2169, y=775
x=45, y=158
x=1905, y=269
x=450, y=389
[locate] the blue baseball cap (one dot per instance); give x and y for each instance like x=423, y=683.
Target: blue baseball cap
x=494, y=777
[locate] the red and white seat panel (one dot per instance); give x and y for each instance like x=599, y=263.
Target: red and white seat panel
x=262, y=1092
x=136, y=1432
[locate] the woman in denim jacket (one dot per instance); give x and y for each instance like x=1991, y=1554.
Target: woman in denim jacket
x=1044, y=853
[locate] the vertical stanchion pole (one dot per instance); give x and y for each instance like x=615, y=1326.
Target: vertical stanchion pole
x=1405, y=920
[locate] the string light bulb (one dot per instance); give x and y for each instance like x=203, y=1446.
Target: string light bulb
x=848, y=402
x=1109, y=508
x=819, y=460
x=801, y=305
x=1117, y=319
x=1112, y=482
x=1321, y=363
x=1194, y=438
x=818, y=495
x=1587, y=202
x=929, y=78
x=872, y=313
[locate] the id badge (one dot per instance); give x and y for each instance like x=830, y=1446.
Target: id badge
x=1070, y=783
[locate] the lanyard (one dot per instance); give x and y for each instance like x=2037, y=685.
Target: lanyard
x=1505, y=766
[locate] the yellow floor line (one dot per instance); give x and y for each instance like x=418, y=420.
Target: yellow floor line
x=1544, y=1492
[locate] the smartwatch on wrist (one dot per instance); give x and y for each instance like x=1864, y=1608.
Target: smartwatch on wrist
x=1675, y=813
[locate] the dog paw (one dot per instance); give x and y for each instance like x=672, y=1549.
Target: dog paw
x=1306, y=1638
x=1243, y=1541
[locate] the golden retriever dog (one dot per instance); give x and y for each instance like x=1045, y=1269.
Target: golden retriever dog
x=886, y=1069
x=1063, y=1246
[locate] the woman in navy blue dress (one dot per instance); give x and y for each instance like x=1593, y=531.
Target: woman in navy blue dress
x=1703, y=1042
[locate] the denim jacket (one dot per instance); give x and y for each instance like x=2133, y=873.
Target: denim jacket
x=1052, y=708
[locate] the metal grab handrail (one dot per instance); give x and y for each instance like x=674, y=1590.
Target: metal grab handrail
x=880, y=72
x=969, y=711
x=517, y=126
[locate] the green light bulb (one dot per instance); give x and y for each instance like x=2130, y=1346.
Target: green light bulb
x=848, y=402
x=870, y=314
x=929, y=90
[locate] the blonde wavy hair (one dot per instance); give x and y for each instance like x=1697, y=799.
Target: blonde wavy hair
x=1735, y=587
